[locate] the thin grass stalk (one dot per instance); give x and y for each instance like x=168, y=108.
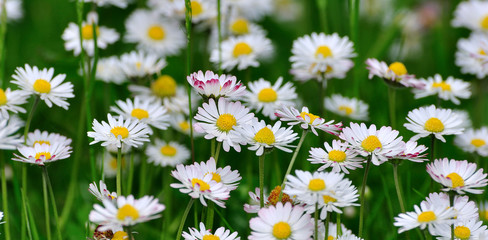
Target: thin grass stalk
x=53, y=202
x=119, y=171
x=3, y=33
x=363, y=188
x=222, y=218
x=142, y=178
x=326, y=225
x=46, y=207
x=188, y=15
x=183, y=219
x=397, y=186
x=26, y=217
x=261, y=181
x=293, y=158
x=4, y=197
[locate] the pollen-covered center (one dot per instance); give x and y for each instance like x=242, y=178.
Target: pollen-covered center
x=164, y=86
x=47, y=155
x=371, y=143
x=311, y=116
x=226, y=122
x=168, y=151
x=281, y=230
x=127, y=211
x=184, y=125
x=442, y=85
x=240, y=26
x=120, y=235
x=87, y=32
x=42, y=86
x=346, y=109
x=482, y=52
x=3, y=97
x=324, y=51
x=113, y=163
x=316, y=184
x=398, y=68
x=328, y=199
x=462, y=232
x=210, y=237
x=215, y=176
x=274, y=195
x=457, y=181
x=139, y=113
x=242, y=48
x=478, y=142
x=41, y=142
x=196, y=8
x=265, y=135
x=203, y=185
x=156, y=32
x=120, y=131
x=484, y=23
x=267, y=95
x=434, y=125
x=337, y=156
x=426, y=216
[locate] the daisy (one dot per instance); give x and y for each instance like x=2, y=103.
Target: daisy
x=195, y=183
x=41, y=82
x=13, y=9
x=119, y=131
x=42, y=154
x=250, y=9
x=144, y=110
x=218, y=120
x=179, y=103
x=463, y=208
x=395, y=74
x=10, y=101
x=8, y=127
x=320, y=56
x=483, y=210
x=167, y=8
x=1, y=217
x=459, y=176
x=126, y=211
x=471, y=55
x=204, y=234
x=332, y=231
x=109, y=162
x=139, y=64
x=116, y=3
x=431, y=120
x=239, y=25
x=349, y=236
x=109, y=70
x=104, y=36
x=254, y=205
x=112, y=233
x=267, y=98
x=281, y=222
x=154, y=34
x=352, y=108
x=243, y=52
x=464, y=116
x=449, y=89
x=463, y=230
x=211, y=85
x=412, y=152
x=181, y=123
x=379, y=144
x=102, y=193
x=261, y=136
x=343, y=195
x=474, y=141
x=307, y=119
x=472, y=14
x=45, y=137
x=163, y=153
x=229, y=178
x=338, y=157
x=202, y=11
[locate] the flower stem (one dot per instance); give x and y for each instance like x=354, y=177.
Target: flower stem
x=354, y=28
x=316, y=222
x=131, y=174
x=293, y=158
x=210, y=215
x=392, y=105
x=219, y=30
x=397, y=186
x=363, y=188
x=217, y=152
x=261, y=181
x=326, y=225
x=142, y=178
x=119, y=171
x=4, y=197
x=222, y=218
x=322, y=8
x=53, y=202
x=46, y=207
x=188, y=15
x=26, y=216
x=451, y=201
x=3, y=32
x=183, y=219
x=339, y=227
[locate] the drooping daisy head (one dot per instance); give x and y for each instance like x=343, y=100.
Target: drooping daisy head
x=472, y=15
x=45, y=137
x=307, y=120
x=42, y=154
x=394, y=74
x=459, y=176
x=211, y=85
x=8, y=127
x=137, y=64
x=267, y=98
x=431, y=120
x=42, y=83
x=147, y=110
x=471, y=55
x=352, y=108
x=10, y=101
x=448, y=89
x=110, y=70
x=336, y=156
x=163, y=153
x=102, y=193
x=474, y=141
x=412, y=152
x=229, y=178
x=206, y=234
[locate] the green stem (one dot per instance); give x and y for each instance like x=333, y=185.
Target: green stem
x=210, y=215
x=391, y=104
x=195, y=215
x=46, y=207
x=316, y=222
x=226, y=223
x=451, y=201
x=131, y=174
x=261, y=181
x=339, y=227
x=183, y=219
x=29, y=118
x=427, y=234
x=188, y=16
x=143, y=178
x=326, y=225
x=322, y=12
x=26, y=217
x=4, y=197
x=397, y=186
x=219, y=30
x=217, y=152
x=3, y=33
x=293, y=158
x=119, y=171
x=53, y=202
x=354, y=28
x=212, y=147
x=363, y=188
x=432, y=147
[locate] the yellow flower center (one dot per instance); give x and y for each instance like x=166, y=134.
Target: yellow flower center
x=346, y=109
x=226, y=122
x=138, y=65
x=267, y=95
x=242, y=48
x=328, y=199
x=3, y=97
x=482, y=52
x=47, y=155
x=457, y=181
x=477, y=142
x=41, y=142
x=316, y=184
x=139, y=113
x=156, y=32
x=281, y=230
x=240, y=26
x=426, y=216
x=168, y=151
x=196, y=8
x=120, y=235
x=203, y=185
x=434, y=125
x=215, y=176
x=442, y=85
x=371, y=143
x=164, y=86
x=210, y=237
x=120, y=131
x=184, y=125
x=42, y=86
x=337, y=156
x=311, y=116
x=484, y=23
x=324, y=51
x=484, y=215
x=398, y=68
x=265, y=135
x=462, y=232
x=113, y=163
x=87, y=31
x=127, y=211
x=330, y=237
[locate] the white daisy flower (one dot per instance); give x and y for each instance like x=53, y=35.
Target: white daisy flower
x=42, y=154
x=281, y=222
x=218, y=120
x=109, y=162
x=13, y=9
x=115, y=233
x=267, y=98
x=288, y=11
x=181, y=123
x=211, y=85
x=239, y=25
x=483, y=210
x=229, y=178
x=45, y=137
x=471, y=55
x=254, y=205
x=102, y=193
x=412, y=152
x=163, y=153
x=463, y=230
x=154, y=34
x=474, y=141
x=41, y=82
x=206, y=234
x=338, y=157
x=202, y=11
x=10, y=101
x=119, y=131
x=431, y=120
x=395, y=74
x=352, y=108
x=8, y=127
x=144, y=110
x=110, y=70
x=343, y=195
x=459, y=176
x=250, y=9
x=126, y=211
x=71, y=36
x=472, y=15
x=332, y=231
x=320, y=56
x=449, y=89
x=179, y=103
x=307, y=119
x=138, y=64
x=243, y=52
x=379, y=144
x=195, y=183
x=463, y=208
x=116, y=3
x=167, y=8
x=464, y=116
x=349, y=236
